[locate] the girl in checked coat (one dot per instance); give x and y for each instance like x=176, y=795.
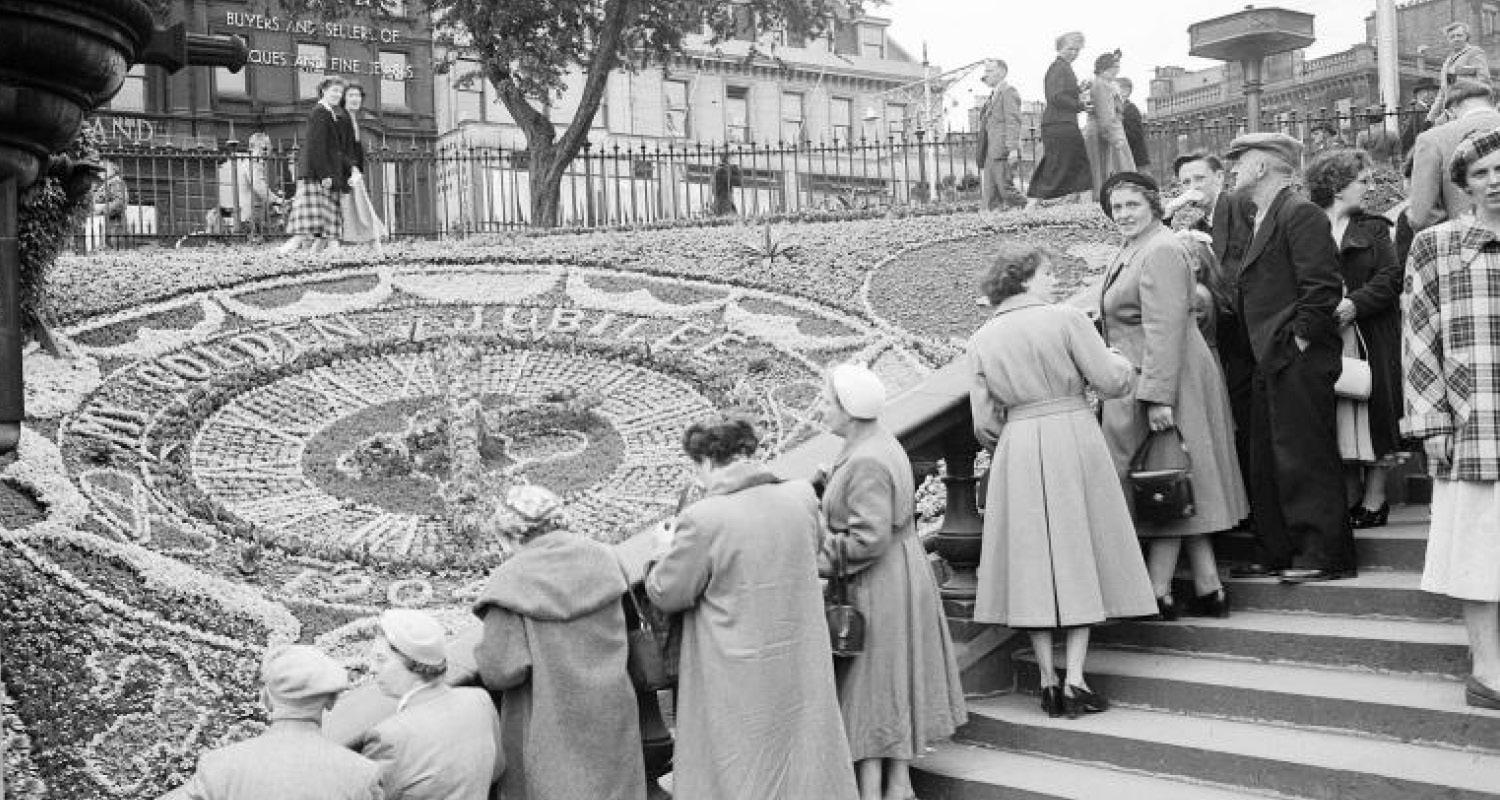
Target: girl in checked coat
x=1059, y=551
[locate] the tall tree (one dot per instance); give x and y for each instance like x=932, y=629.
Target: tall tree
x=527, y=48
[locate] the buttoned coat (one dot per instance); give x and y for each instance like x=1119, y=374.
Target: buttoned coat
x=1059, y=546
x=757, y=710
x=1450, y=348
x=323, y=152
x=295, y=763
x=1434, y=198
x=1288, y=284
x=444, y=745
x=1104, y=134
x=1372, y=276
x=1001, y=132
x=903, y=692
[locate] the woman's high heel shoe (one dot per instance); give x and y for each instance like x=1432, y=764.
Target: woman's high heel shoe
x=1078, y=700
x=1166, y=608
x=1052, y=700
x=1213, y=604
x=1365, y=518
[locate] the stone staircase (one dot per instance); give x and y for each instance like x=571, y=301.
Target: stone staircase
x=1347, y=690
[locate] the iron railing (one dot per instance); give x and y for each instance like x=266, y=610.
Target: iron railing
x=186, y=195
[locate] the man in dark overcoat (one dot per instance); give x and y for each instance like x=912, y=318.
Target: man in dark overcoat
x=1285, y=290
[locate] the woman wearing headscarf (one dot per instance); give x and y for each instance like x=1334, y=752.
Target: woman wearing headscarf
x=903, y=691
x=555, y=646
x=322, y=174
x=1146, y=306
x=757, y=711
x=1104, y=135
x=1465, y=62
x=1450, y=353
x=1059, y=553
x=1064, y=168
x=1369, y=319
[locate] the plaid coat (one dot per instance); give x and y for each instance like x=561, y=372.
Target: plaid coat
x=1450, y=345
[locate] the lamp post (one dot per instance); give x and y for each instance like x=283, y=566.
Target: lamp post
x=60, y=60
x=1248, y=37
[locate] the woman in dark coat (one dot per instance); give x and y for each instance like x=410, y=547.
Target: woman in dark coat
x=322, y=173
x=1369, y=433
x=1064, y=168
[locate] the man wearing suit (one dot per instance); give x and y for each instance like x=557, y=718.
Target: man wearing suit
x=443, y=743
x=1284, y=291
x=1434, y=198
x=292, y=760
x=999, y=136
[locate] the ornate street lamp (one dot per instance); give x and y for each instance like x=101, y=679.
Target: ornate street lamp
x=59, y=61
x=1248, y=37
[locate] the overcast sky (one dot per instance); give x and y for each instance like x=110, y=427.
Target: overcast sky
x=1151, y=33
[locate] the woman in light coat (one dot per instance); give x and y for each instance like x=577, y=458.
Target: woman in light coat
x=903, y=691
x=1104, y=135
x=1059, y=553
x=1147, y=301
x=757, y=711
x=555, y=646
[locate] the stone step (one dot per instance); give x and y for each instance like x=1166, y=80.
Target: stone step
x=1319, y=765
x=1409, y=708
x=1398, y=546
x=1342, y=641
x=958, y=771
x=1373, y=593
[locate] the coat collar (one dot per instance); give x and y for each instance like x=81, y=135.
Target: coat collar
x=738, y=477
x=1018, y=301
x=1473, y=239
x=1267, y=227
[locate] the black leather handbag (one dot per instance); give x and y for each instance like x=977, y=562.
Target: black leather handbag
x=1165, y=494
x=846, y=625
x=651, y=656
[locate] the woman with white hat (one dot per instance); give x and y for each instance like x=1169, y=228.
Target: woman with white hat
x=555, y=645
x=903, y=691
x=443, y=743
x=1060, y=552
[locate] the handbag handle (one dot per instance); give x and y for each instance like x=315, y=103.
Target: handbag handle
x=1138, y=461
x=840, y=572
x=635, y=602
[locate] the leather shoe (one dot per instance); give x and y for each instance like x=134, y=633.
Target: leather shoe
x=1052, y=700
x=1253, y=571
x=1480, y=696
x=1077, y=699
x=1313, y=575
x=1166, y=608
x=1213, y=604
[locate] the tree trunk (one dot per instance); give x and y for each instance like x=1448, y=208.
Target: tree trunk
x=546, y=182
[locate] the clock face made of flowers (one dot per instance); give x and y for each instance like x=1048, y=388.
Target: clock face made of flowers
x=332, y=438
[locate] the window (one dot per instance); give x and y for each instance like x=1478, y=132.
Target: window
x=845, y=39
x=132, y=95
x=394, y=72
x=841, y=118
x=786, y=38
x=1344, y=113
x=311, y=61
x=872, y=41
x=601, y=114
x=676, y=105
x=232, y=83
x=895, y=120
x=468, y=96
x=737, y=114
x=793, y=123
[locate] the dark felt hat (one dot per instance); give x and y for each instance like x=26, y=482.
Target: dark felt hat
x=1140, y=179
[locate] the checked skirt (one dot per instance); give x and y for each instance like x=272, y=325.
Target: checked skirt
x=315, y=211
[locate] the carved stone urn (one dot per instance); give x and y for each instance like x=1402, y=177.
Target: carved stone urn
x=60, y=60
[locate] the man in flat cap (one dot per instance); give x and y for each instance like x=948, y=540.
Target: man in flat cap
x=292, y=760
x=1434, y=198
x=443, y=743
x=1285, y=291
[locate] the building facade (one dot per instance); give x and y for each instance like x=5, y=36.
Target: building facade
x=803, y=122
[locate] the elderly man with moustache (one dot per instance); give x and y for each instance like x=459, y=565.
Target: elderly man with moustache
x=443, y=743
x=999, y=136
x=1285, y=290
x=292, y=760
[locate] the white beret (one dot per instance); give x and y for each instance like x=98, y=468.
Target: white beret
x=858, y=390
x=300, y=671
x=415, y=635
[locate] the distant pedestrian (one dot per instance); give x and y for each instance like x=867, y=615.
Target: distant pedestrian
x=1104, y=135
x=1324, y=136
x=1466, y=62
x=726, y=177
x=1423, y=94
x=999, y=149
x=322, y=174
x=106, y=219
x=1383, y=145
x=1434, y=198
x=360, y=223
x=1135, y=127
x=1064, y=168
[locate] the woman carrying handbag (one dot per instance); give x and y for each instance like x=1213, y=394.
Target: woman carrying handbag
x=1146, y=307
